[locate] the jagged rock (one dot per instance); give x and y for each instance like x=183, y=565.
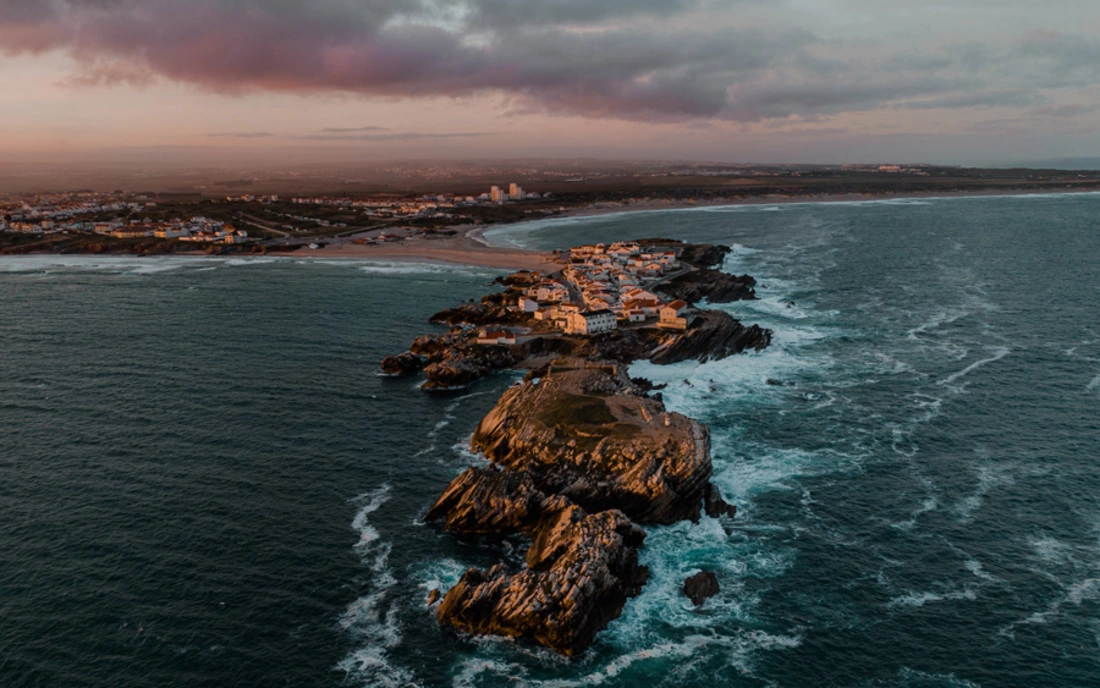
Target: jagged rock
x=402, y=364
x=434, y=596
x=587, y=568
x=488, y=501
x=585, y=434
x=701, y=586
x=461, y=365
x=522, y=278
x=715, y=506
x=480, y=314
x=713, y=336
x=699, y=255
x=713, y=285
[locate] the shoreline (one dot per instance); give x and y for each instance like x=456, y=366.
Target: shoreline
x=803, y=199
x=471, y=247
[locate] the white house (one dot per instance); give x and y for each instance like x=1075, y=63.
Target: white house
x=591, y=322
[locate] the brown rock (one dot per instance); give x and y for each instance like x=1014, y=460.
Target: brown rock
x=715, y=506
x=583, y=434
x=701, y=586
x=587, y=568
x=402, y=364
x=485, y=501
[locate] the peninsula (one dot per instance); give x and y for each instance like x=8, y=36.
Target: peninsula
x=581, y=455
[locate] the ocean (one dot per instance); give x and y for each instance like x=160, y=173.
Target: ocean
x=204, y=482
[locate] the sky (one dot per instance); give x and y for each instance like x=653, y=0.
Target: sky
x=830, y=81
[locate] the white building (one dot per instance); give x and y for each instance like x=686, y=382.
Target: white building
x=591, y=322
x=528, y=305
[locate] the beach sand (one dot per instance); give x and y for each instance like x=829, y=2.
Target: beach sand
x=463, y=248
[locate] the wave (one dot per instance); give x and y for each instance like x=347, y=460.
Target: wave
x=919, y=599
x=373, y=619
x=998, y=353
x=737, y=652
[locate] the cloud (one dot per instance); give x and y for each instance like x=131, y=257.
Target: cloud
x=352, y=130
x=242, y=135
x=651, y=60
x=403, y=136
x=980, y=99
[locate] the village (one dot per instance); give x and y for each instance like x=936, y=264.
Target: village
x=602, y=288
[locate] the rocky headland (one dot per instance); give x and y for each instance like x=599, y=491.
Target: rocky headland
x=580, y=458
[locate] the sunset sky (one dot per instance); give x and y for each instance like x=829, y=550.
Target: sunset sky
x=963, y=81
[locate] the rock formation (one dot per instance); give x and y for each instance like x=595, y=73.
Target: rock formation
x=579, y=575
x=712, y=285
x=580, y=454
x=402, y=364
x=701, y=586
x=587, y=434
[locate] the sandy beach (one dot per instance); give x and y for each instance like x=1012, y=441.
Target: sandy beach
x=470, y=247
x=464, y=248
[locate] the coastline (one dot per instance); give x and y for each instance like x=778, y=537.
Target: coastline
x=471, y=247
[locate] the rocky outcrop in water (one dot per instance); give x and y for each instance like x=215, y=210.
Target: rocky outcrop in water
x=489, y=501
x=455, y=359
x=402, y=364
x=701, y=586
x=579, y=455
x=711, y=285
x=715, y=506
x=713, y=336
x=579, y=575
x=699, y=255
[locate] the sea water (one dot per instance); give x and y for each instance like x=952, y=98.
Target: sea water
x=204, y=482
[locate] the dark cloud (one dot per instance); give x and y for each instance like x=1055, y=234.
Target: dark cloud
x=629, y=59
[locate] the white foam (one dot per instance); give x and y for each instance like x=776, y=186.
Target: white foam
x=989, y=477
x=998, y=353
x=922, y=678
x=975, y=567
x=737, y=650
x=1094, y=384
x=373, y=618
x=919, y=599
x=399, y=268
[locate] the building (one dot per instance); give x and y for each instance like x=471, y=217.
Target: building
x=496, y=337
x=591, y=322
x=497, y=195
x=515, y=192
x=673, y=316
x=528, y=305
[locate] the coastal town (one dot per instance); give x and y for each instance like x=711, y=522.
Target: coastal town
x=59, y=221
x=603, y=287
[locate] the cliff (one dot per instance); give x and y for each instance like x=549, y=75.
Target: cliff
x=585, y=434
